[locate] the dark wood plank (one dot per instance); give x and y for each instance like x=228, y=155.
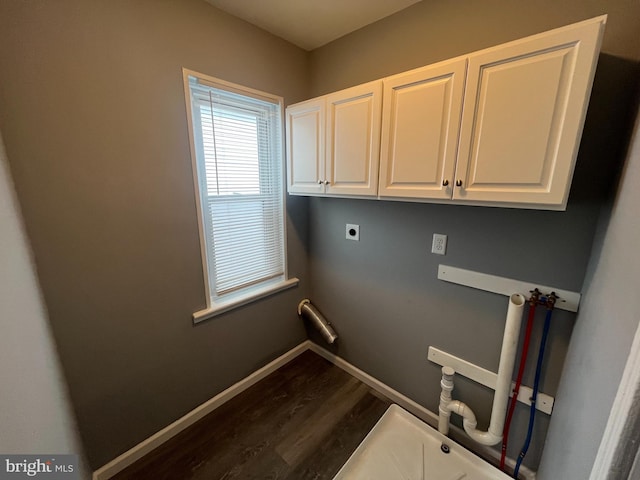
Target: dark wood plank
x=325, y=462
x=302, y=421
x=294, y=448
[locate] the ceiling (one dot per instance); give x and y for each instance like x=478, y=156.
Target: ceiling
x=310, y=24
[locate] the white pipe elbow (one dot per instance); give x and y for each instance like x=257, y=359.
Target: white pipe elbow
x=470, y=424
x=484, y=438
x=460, y=408
x=468, y=417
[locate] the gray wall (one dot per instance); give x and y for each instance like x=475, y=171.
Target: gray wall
x=435, y=30
x=382, y=294
x=92, y=111
x=35, y=415
x=605, y=328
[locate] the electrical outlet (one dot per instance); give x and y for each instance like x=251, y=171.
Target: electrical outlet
x=353, y=232
x=439, y=245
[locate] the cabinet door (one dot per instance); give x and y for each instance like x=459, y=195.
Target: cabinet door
x=305, y=147
x=524, y=109
x=420, y=127
x=353, y=140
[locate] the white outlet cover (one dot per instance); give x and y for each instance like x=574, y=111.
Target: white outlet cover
x=439, y=245
x=352, y=232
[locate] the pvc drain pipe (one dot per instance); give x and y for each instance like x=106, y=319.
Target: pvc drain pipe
x=311, y=313
x=503, y=384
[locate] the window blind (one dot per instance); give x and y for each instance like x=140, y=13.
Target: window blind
x=239, y=156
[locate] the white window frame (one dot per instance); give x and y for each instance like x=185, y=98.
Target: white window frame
x=217, y=305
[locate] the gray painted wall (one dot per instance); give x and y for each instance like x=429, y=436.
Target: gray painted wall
x=604, y=331
x=92, y=111
x=435, y=30
x=382, y=294
x=35, y=415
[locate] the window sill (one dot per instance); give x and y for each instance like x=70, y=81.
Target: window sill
x=221, y=307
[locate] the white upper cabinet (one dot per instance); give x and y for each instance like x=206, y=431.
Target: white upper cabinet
x=524, y=109
x=333, y=143
x=353, y=140
x=420, y=125
x=305, y=123
x=498, y=127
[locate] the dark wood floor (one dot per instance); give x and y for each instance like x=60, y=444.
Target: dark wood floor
x=301, y=422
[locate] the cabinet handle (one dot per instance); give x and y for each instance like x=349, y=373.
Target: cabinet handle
x=326, y=182
x=319, y=182
x=458, y=183
x=445, y=183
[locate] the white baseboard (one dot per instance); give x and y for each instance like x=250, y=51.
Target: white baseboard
x=130, y=456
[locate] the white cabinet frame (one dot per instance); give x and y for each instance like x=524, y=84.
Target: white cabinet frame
x=498, y=127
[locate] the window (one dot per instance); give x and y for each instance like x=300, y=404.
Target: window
x=236, y=147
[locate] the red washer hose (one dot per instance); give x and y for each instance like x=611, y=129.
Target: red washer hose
x=533, y=302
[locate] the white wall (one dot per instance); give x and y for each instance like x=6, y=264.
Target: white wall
x=35, y=416
x=602, y=336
